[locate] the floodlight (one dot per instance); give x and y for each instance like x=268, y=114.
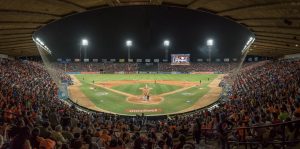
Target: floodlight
x=128, y=43
x=42, y=43
x=84, y=42
x=166, y=43
x=210, y=42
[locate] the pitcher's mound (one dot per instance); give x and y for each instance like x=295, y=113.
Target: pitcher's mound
x=141, y=100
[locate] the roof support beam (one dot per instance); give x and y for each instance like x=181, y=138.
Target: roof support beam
x=15, y=39
x=15, y=36
x=31, y=13
x=155, y=2
x=15, y=42
x=16, y=31
x=280, y=35
x=196, y=3
x=113, y=3
x=277, y=33
x=276, y=46
x=270, y=38
x=15, y=25
x=69, y=4
x=255, y=7
x=18, y=45
x=268, y=19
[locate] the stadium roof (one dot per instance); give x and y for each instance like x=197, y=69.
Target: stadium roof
x=276, y=23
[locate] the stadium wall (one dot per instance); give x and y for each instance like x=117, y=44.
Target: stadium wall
x=150, y=72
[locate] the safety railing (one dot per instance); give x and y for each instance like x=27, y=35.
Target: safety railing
x=281, y=135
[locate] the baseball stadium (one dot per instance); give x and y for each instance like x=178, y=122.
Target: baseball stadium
x=149, y=74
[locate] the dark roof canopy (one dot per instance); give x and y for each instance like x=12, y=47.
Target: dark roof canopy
x=275, y=23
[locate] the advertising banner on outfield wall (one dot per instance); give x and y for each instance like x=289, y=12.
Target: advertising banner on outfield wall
x=104, y=60
x=68, y=60
x=203, y=72
x=72, y=72
x=130, y=60
x=147, y=60
x=77, y=60
x=226, y=59
x=86, y=60
x=121, y=60
x=112, y=60
x=199, y=60
x=59, y=59
x=89, y=72
x=139, y=60
x=119, y=72
x=156, y=60
x=95, y=60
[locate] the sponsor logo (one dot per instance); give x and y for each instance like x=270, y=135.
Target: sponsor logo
x=187, y=94
x=143, y=110
x=101, y=93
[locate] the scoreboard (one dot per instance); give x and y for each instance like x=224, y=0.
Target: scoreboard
x=180, y=59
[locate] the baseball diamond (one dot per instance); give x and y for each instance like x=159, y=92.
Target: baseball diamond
x=122, y=94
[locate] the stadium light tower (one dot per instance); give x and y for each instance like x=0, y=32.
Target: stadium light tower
x=128, y=44
x=209, y=43
x=84, y=43
x=166, y=44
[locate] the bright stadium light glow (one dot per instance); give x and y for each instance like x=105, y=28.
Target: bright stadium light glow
x=128, y=43
x=210, y=42
x=248, y=44
x=84, y=42
x=166, y=43
x=40, y=43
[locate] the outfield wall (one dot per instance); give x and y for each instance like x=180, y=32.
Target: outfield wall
x=150, y=72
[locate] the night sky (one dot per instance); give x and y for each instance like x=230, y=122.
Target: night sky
x=147, y=26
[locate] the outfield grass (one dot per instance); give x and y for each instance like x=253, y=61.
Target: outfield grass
x=117, y=103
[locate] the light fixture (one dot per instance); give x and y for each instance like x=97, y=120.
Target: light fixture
x=84, y=42
x=210, y=42
x=166, y=43
x=128, y=43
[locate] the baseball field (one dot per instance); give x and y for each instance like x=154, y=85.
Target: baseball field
x=151, y=94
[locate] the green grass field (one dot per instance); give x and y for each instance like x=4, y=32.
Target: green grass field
x=114, y=102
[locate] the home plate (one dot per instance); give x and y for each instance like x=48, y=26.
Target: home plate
x=92, y=88
x=201, y=88
x=101, y=93
x=188, y=101
x=187, y=94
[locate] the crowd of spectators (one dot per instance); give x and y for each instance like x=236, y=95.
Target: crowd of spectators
x=97, y=67
x=32, y=116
